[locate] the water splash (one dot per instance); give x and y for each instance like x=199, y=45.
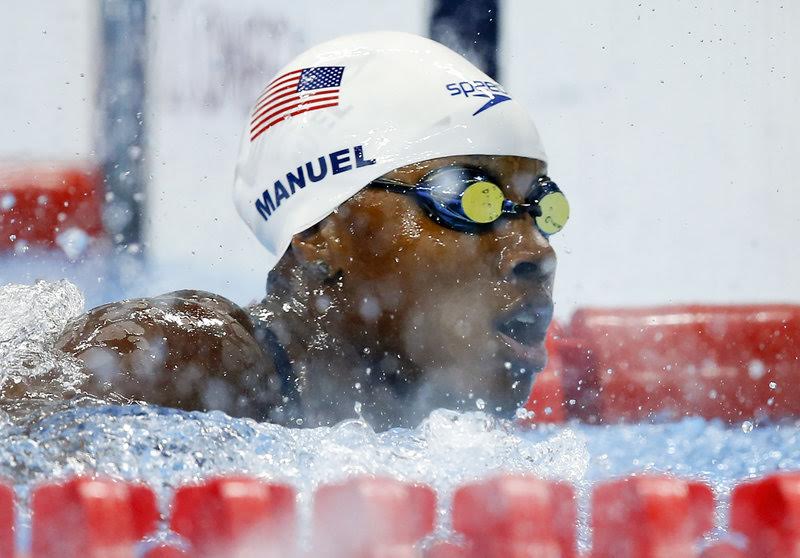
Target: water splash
x=31, y=318
x=167, y=448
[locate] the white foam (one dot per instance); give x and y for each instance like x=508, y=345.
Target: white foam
x=31, y=318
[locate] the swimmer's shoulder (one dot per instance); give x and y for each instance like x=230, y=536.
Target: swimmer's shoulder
x=189, y=349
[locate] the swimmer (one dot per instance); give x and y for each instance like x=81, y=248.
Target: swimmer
x=403, y=200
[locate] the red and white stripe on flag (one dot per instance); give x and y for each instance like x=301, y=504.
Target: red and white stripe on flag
x=285, y=97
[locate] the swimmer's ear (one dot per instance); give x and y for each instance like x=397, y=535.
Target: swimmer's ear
x=317, y=248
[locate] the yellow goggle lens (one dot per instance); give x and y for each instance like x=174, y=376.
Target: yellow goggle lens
x=482, y=202
x=555, y=213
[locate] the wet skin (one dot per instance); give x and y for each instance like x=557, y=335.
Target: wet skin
x=186, y=349
x=379, y=309
x=420, y=307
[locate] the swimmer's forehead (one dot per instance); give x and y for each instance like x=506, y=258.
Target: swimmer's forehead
x=513, y=174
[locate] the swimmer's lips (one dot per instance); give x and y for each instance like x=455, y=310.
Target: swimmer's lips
x=525, y=330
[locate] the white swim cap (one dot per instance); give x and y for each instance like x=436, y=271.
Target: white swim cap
x=350, y=110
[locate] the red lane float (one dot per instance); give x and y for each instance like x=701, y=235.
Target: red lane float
x=6, y=521
x=38, y=202
x=371, y=518
x=650, y=517
x=728, y=362
x=723, y=550
x=767, y=512
x=515, y=516
x=166, y=552
x=235, y=516
x=448, y=550
x=509, y=516
x=91, y=518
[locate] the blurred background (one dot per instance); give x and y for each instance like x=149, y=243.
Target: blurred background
x=671, y=126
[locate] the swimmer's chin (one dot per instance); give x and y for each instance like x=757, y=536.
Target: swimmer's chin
x=531, y=358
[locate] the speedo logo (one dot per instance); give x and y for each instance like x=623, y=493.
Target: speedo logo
x=492, y=91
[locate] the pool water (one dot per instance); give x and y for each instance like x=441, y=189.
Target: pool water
x=51, y=436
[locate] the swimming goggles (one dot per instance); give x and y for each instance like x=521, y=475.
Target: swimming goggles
x=464, y=199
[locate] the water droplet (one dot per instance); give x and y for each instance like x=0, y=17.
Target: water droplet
x=21, y=246
x=134, y=152
x=7, y=201
x=322, y=303
x=522, y=413
x=480, y=404
x=756, y=369
x=747, y=427
x=73, y=241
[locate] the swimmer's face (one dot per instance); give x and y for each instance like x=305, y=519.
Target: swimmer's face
x=462, y=316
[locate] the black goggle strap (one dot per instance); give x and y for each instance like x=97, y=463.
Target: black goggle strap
x=393, y=185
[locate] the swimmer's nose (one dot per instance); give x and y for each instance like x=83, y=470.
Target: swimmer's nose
x=524, y=258
x=532, y=270
x=529, y=269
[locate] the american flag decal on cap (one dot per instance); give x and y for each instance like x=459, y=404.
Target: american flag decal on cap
x=294, y=93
